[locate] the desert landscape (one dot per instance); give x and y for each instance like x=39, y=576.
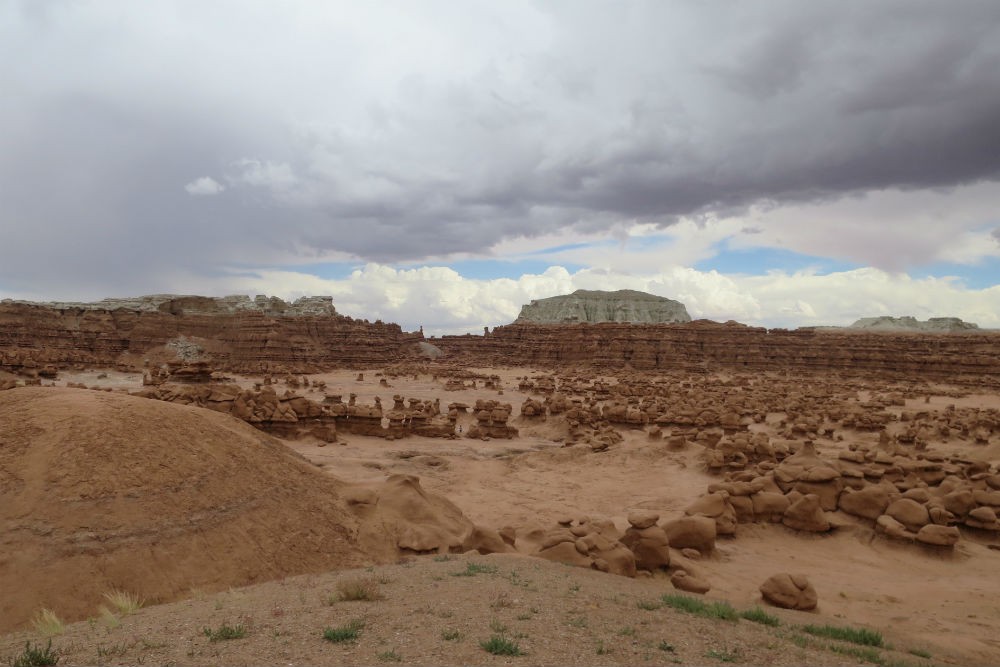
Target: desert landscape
x=195, y=480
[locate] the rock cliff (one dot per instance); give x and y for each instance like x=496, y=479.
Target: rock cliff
x=593, y=306
x=231, y=333
x=971, y=358
x=908, y=323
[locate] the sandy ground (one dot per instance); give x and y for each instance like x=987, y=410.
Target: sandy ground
x=948, y=605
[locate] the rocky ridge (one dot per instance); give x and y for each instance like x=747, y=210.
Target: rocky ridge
x=593, y=306
x=909, y=323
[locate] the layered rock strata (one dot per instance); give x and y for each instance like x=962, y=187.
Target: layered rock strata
x=235, y=334
x=592, y=306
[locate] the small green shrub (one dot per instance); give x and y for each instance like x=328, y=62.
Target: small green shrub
x=345, y=633
x=862, y=636
x=920, y=653
x=666, y=647
x=35, y=656
x=225, y=632
x=500, y=645
x=451, y=635
x=389, y=656
x=758, y=615
x=859, y=653
x=647, y=605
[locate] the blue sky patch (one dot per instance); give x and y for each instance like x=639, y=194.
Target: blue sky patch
x=758, y=261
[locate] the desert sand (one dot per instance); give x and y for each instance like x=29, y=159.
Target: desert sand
x=932, y=600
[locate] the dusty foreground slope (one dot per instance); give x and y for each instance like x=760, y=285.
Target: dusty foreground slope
x=102, y=491
x=437, y=610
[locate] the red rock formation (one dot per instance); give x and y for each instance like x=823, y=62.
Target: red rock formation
x=964, y=358
x=241, y=340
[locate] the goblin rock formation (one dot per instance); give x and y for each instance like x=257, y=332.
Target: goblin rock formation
x=592, y=306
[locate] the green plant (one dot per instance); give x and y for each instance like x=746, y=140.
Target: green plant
x=627, y=631
x=443, y=559
x=758, y=615
x=111, y=651
x=920, y=653
x=47, y=624
x=666, y=647
x=862, y=636
x=451, y=635
x=225, y=632
x=860, y=653
x=124, y=602
x=578, y=622
x=500, y=645
x=497, y=626
x=389, y=656
x=601, y=649
x=353, y=590
x=109, y=618
x=690, y=605
x=724, y=655
x=472, y=569
x=35, y=656
x=648, y=606
x=345, y=633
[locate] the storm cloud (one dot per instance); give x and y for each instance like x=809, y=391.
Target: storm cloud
x=143, y=140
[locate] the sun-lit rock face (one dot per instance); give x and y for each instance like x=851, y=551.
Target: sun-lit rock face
x=593, y=306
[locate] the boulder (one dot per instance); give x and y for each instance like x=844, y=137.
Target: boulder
x=806, y=514
x=868, y=503
x=910, y=513
x=683, y=581
x=693, y=532
x=789, y=591
x=940, y=536
x=650, y=547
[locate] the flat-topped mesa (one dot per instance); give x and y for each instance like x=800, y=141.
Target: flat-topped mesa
x=594, y=306
x=233, y=333
x=179, y=304
x=909, y=323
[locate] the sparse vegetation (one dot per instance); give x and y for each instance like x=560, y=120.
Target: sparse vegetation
x=353, y=590
x=862, y=636
x=690, y=605
x=47, y=624
x=225, y=632
x=500, y=645
x=627, y=631
x=758, y=615
x=666, y=647
x=723, y=655
x=601, y=649
x=109, y=618
x=35, y=656
x=920, y=653
x=452, y=635
x=123, y=602
x=344, y=633
x=648, y=605
x=861, y=653
x=472, y=569
x=389, y=656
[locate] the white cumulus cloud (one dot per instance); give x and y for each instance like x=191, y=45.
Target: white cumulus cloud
x=204, y=186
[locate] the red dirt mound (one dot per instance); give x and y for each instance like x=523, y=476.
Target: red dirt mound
x=101, y=491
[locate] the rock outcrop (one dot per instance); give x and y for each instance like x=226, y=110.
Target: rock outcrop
x=593, y=306
x=235, y=334
x=909, y=323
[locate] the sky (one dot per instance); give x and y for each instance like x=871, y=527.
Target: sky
x=439, y=164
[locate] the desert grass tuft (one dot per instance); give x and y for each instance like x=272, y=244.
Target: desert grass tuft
x=47, y=624
x=35, y=656
x=123, y=602
x=758, y=615
x=353, y=590
x=472, y=569
x=862, y=636
x=500, y=645
x=690, y=605
x=344, y=633
x=225, y=632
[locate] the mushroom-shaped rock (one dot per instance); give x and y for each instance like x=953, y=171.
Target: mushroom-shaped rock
x=692, y=532
x=789, y=591
x=716, y=506
x=940, y=536
x=892, y=528
x=641, y=519
x=769, y=506
x=806, y=514
x=910, y=513
x=683, y=581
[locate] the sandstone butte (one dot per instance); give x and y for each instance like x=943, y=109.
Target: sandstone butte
x=240, y=335
x=593, y=306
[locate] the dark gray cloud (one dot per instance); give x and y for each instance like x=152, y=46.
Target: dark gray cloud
x=391, y=135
